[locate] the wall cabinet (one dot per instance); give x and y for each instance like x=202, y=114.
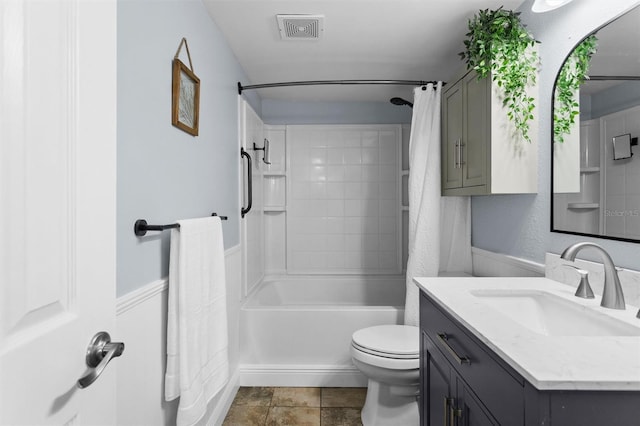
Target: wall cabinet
x=481, y=151
x=463, y=382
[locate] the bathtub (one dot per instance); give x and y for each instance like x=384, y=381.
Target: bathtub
x=296, y=330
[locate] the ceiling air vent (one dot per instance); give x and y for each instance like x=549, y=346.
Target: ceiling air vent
x=300, y=27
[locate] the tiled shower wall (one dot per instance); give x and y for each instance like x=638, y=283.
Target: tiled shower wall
x=621, y=199
x=343, y=202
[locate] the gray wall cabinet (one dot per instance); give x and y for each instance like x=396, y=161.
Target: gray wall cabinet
x=481, y=153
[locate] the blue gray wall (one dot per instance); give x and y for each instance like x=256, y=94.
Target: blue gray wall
x=288, y=112
x=518, y=225
x=165, y=174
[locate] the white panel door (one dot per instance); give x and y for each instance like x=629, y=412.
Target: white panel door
x=57, y=207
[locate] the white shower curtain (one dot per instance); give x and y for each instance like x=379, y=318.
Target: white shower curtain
x=439, y=227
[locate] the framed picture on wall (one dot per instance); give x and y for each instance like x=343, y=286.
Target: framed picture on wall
x=185, y=104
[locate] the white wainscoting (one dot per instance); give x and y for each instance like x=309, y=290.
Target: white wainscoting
x=490, y=264
x=141, y=325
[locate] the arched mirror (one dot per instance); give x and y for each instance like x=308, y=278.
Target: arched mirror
x=596, y=159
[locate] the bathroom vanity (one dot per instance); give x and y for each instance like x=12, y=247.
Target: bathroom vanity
x=525, y=351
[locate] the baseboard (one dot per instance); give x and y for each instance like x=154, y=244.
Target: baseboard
x=225, y=401
x=301, y=375
x=488, y=263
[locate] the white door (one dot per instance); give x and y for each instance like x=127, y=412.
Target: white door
x=57, y=207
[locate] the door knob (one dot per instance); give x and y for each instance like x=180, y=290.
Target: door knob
x=100, y=351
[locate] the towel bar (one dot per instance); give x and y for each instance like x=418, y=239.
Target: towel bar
x=141, y=226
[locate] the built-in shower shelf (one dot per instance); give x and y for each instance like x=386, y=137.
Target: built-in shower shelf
x=274, y=174
x=275, y=208
x=594, y=169
x=405, y=173
x=583, y=206
x=405, y=208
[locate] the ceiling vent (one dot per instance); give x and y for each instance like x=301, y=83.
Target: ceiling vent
x=300, y=27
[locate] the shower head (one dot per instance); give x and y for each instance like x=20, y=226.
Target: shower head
x=400, y=101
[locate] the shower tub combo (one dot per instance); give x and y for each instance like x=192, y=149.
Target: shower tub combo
x=296, y=330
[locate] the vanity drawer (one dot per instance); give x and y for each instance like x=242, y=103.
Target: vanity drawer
x=501, y=391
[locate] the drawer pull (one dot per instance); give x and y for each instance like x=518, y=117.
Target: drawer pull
x=459, y=359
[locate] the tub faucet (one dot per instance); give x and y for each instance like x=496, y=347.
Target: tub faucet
x=612, y=296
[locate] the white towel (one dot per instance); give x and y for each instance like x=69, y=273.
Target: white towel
x=197, y=339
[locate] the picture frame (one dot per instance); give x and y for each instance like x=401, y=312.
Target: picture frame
x=185, y=105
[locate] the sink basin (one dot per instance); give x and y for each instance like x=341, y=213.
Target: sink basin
x=551, y=315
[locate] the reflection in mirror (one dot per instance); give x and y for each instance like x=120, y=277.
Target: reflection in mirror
x=594, y=191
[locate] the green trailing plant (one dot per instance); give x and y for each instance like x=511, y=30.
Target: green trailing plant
x=572, y=74
x=499, y=44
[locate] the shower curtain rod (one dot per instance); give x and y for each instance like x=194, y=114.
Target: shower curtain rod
x=329, y=82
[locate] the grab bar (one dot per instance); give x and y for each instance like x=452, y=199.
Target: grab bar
x=244, y=211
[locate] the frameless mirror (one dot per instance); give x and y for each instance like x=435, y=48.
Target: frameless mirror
x=595, y=174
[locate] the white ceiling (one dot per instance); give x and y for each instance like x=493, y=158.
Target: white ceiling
x=362, y=40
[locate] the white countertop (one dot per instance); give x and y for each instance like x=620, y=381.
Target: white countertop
x=547, y=362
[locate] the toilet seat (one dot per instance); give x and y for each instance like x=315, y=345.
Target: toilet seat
x=387, y=346
x=391, y=341
x=384, y=354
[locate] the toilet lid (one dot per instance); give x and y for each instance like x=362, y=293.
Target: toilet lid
x=394, y=341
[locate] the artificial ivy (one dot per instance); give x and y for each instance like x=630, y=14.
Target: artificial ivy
x=499, y=44
x=572, y=74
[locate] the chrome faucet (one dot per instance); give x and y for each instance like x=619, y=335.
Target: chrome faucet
x=612, y=296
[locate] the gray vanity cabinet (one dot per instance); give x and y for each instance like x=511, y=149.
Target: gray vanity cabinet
x=463, y=382
x=447, y=398
x=465, y=136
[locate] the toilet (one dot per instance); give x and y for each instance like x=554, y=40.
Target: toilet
x=389, y=356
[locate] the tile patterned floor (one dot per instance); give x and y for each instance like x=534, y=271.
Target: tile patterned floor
x=271, y=406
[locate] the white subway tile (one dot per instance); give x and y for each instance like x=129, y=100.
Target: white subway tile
x=318, y=173
x=369, y=260
x=353, y=190
x=352, y=156
x=370, y=173
x=388, y=242
x=353, y=208
x=353, y=173
x=318, y=156
x=335, y=208
x=370, y=242
x=388, y=172
x=335, y=260
x=335, y=242
x=370, y=156
x=317, y=190
x=370, y=225
x=300, y=190
x=335, y=156
x=335, y=173
x=335, y=190
x=370, y=139
x=388, y=155
x=387, y=259
x=389, y=208
x=388, y=137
